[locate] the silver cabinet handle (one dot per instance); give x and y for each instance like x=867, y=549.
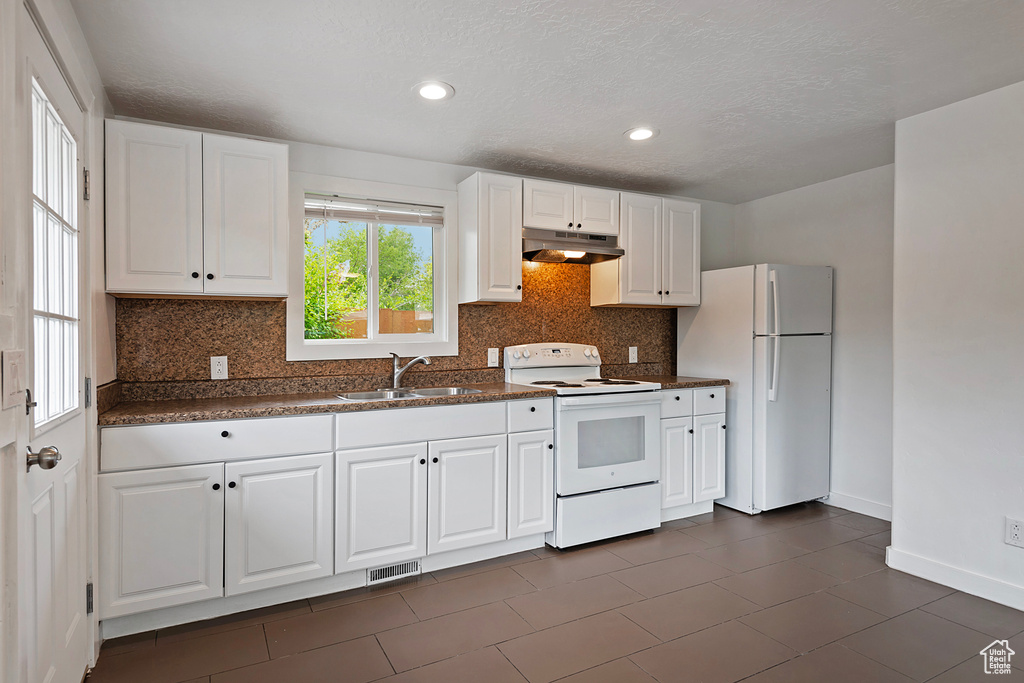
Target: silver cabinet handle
x=47, y=458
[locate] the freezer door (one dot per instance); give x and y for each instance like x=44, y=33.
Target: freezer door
x=792, y=299
x=792, y=419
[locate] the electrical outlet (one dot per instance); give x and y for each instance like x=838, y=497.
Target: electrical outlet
x=632, y=354
x=1015, y=532
x=492, y=358
x=218, y=367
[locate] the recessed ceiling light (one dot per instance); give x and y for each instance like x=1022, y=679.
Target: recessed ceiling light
x=434, y=90
x=640, y=134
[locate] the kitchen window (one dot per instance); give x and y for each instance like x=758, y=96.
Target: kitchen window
x=370, y=272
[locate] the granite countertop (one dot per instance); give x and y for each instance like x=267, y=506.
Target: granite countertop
x=675, y=382
x=193, y=410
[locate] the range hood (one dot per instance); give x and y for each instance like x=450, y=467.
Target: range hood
x=557, y=246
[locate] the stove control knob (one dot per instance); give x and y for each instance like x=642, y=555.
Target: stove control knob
x=526, y=353
x=516, y=355
x=586, y=352
x=593, y=352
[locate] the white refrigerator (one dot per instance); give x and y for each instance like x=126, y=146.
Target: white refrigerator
x=768, y=330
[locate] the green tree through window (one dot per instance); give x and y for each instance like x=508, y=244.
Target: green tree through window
x=336, y=278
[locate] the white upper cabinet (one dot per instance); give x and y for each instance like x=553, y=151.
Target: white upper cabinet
x=547, y=205
x=490, y=238
x=681, y=253
x=192, y=213
x=560, y=206
x=596, y=210
x=245, y=216
x=661, y=238
x=154, y=205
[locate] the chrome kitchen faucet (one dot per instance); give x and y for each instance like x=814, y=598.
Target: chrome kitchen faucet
x=396, y=373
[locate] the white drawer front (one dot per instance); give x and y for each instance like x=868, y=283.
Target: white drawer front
x=531, y=415
x=179, y=443
x=676, y=403
x=429, y=423
x=708, y=401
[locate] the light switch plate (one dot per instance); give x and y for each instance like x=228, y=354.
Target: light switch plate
x=15, y=375
x=492, y=358
x=632, y=354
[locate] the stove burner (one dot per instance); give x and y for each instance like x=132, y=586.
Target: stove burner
x=556, y=383
x=603, y=380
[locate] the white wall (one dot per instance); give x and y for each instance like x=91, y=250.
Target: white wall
x=845, y=223
x=958, y=436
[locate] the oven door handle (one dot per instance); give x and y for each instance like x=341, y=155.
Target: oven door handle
x=639, y=398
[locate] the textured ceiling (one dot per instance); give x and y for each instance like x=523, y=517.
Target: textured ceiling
x=751, y=97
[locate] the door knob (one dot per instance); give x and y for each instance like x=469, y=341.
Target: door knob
x=47, y=458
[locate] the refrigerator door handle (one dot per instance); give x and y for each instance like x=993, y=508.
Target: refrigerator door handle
x=774, y=282
x=773, y=389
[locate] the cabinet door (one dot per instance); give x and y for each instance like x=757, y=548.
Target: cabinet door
x=531, y=488
x=381, y=496
x=154, y=205
x=468, y=492
x=596, y=210
x=681, y=253
x=640, y=268
x=676, y=461
x=278, y=521
x=492, y=237
x=245, y=216
x=709, y=457
x=161, y=538
x=547, y=205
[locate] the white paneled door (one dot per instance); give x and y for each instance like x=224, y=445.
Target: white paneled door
x=51, y=622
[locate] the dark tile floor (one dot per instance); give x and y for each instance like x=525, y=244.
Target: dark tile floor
x=800, y=594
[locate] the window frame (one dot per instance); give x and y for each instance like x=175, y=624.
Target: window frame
x=72, y=354
x=444, y=341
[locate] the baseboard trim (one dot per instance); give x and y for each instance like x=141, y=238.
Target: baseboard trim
x=861, y=505
x=962, y=580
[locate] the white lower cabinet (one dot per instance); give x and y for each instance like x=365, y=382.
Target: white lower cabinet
x=676, y=461
x=709, y=457
x=174, y=535
x=278, y=516
x=466, y=492
x=531, y=486
x=381, y=506
x=161, y=538
x=692, y=450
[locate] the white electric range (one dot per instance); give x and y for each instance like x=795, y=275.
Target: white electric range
x=607, y=442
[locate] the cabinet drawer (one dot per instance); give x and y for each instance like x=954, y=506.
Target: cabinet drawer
x=677, y=403
x=530, y=415
x=708, y=401
x=158, y=445
x=428, y=423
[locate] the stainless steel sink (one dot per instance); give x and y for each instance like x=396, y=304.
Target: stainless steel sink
x=381, y=395
x=444, y=391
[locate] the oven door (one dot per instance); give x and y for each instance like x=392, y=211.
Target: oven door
x=607, y=441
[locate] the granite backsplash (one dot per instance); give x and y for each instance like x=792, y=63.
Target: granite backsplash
x=164, y=345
